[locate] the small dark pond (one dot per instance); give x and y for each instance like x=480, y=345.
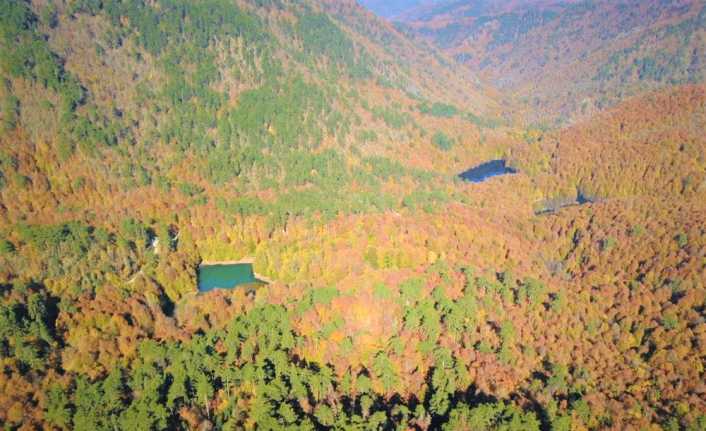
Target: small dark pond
x=226, y=276
x=487, y=170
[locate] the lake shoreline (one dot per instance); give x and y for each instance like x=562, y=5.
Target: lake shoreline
x=249, y=260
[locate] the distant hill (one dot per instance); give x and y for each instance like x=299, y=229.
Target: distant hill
x=390, y=8
x=461, y=9
x=567, y=59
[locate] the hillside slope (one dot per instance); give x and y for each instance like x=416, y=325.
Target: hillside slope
x=651, y=146
x=122, y=98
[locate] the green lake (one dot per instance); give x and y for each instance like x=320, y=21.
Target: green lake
x=225, y=276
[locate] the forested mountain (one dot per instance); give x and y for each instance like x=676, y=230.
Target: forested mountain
x=567, y=59
x=322, y=144
x=243, y=107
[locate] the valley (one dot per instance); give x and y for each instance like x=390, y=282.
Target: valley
x=567, y=60
x=274, y=214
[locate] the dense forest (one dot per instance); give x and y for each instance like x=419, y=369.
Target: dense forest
x=141, y=139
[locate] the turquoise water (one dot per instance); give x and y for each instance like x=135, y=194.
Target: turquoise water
x=225, y=276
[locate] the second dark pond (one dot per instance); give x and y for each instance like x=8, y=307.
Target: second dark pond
x=487, y=170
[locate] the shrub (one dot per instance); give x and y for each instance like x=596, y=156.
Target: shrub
x=637, y=230
x=392, y=116
x=608, y=243
x=670, y=321
x=6, y=247
x=381, y=291
x=438, y=110
x=681, y=239
x=190, y=189
x=10, y=111
x=441, y=141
